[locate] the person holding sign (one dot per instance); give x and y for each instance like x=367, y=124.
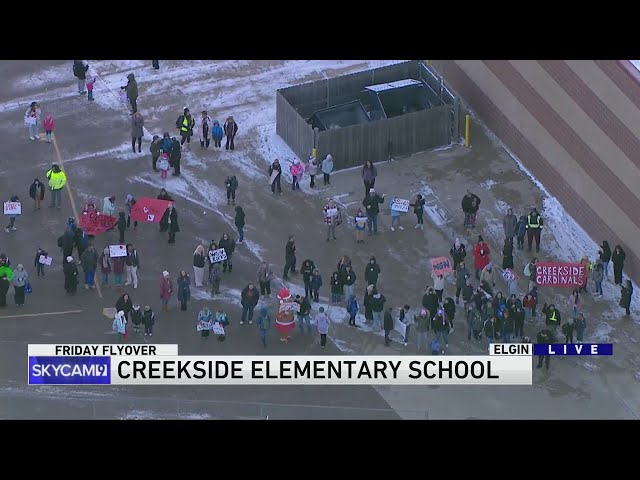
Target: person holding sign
x=332, y=218
x=360, y=222
x=394, y=207
x=42, y=257
x=275, y=172
x=12, y=209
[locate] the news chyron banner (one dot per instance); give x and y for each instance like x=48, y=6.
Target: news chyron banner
x=83, y=364
x=506, y=364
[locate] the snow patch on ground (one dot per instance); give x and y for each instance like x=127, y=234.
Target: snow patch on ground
x=488, y=184
x=149, y=415
x=635, y=63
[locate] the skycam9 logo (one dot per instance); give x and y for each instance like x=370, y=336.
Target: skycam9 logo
x=69, y=370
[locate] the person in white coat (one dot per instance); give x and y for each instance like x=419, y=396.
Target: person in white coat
x=32, y=120
x=203, y=126
x=109, y=206
x=327, y=168
x=438, y=285
x=199, y=260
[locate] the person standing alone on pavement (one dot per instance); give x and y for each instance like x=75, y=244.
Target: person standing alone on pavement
x=509, y=225
x=322, y=323
x=239, y=221
x=36, y=191
x=265, y=275
x=369, y=174
x=617, y=258
x=137, y=131
x=231, y=184
x=249, y=299
x=80, y=72
x=289, y=257
x=230, y=130
x=57, y=180
x=132, y=92
x=625, y=297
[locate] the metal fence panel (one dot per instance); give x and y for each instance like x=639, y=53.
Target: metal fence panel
x=420, y=131
x=293, y=128
x=353, y=146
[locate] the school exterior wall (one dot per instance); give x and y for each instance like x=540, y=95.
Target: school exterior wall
x=575, y=124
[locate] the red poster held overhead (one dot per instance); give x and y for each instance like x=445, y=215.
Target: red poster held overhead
x=555, y=274
x=95, y=223
x=149, y=209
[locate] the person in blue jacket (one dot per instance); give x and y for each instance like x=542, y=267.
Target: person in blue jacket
x=217, y=133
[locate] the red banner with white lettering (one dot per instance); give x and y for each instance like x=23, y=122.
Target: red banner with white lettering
x=95, y=223
x=149, y=209
x=555, y=274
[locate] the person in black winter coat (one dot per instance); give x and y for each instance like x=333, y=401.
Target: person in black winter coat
x=249, y=299
x=66, y=242
x=70, y=270
x=617, y=257
x=521, y=231
x=470, y=206
x=605, y=256
x=458, y=253
x=36, y=192
x=430, y=301
x=307, y=269
x=169, y=223
x=507, y=255
x=230, y=128
x=80, y=72
x=275, y=167
x=289, y=257
x=372, y=204
x=231, y=184
x=125, y=304
x=418, y=209
x=155, y=149
x=175, y=156
x=625, y=297
x=449, y=307
x=148, y=319
x=122, y=226
x=366, y=301
x=518, y=321
x=163, y=195
x=388, y=326
x=372, y=272
x=545, y=336
x=239, y=221
x=336, y=288
x=229, y=245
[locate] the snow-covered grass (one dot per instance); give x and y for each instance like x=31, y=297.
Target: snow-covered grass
x=635, y=63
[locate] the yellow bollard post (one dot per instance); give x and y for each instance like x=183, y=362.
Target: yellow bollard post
x=466, y=130
x=429, y=62
x=315, y=152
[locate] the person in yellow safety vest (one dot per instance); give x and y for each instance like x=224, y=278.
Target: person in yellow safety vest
x=534, y=227
x=57, y=181
x=553, y=318
x=185, y=124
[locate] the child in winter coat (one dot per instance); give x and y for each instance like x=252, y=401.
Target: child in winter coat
x=217, y=134
x=163, y=165
x=521, y=231
x=105, y=266
x=327, y=167
x=148, y=319
x=204, y=324
x=352, y=310
x=41, y=252
x=297, y=170
x=336, y=289
x=119, y=325
x=435, y=347
x=49, y=126
x=231, y=183
x=579, y=325
x=90, y=82
x=316, y=283
x=136, y=316
x=360, y=222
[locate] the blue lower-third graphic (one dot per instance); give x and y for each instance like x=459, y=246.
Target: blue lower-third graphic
x=69, y=370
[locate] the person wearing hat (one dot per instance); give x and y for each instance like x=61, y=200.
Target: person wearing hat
x=70, y=270
x=119, y=325
x=57, y=181
x=185, y=124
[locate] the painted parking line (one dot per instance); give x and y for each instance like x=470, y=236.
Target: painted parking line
x=72, y=201
x=41, y=314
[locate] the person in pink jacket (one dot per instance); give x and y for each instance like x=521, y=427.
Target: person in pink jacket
x=49, y=125
x=297, y=170
x=166, y=289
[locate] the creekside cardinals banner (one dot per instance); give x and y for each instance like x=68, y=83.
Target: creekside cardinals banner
x=554, y=274
x=149, y=209
x=95, y=223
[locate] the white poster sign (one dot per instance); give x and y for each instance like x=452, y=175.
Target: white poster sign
x=45, y=260
x=12, y=208
x=218, y=256
x=400, y=205
x=274, y=174
x=332, y=212
x=289, y=307
x=400, y=327
x=117, y=251
x=218, y=328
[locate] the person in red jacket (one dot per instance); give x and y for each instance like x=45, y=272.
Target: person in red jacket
x=481, y=255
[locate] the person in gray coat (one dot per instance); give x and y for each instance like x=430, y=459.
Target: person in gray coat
x=20, y=279
x=462, y=274
x=137, y=124
x=509, y=224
